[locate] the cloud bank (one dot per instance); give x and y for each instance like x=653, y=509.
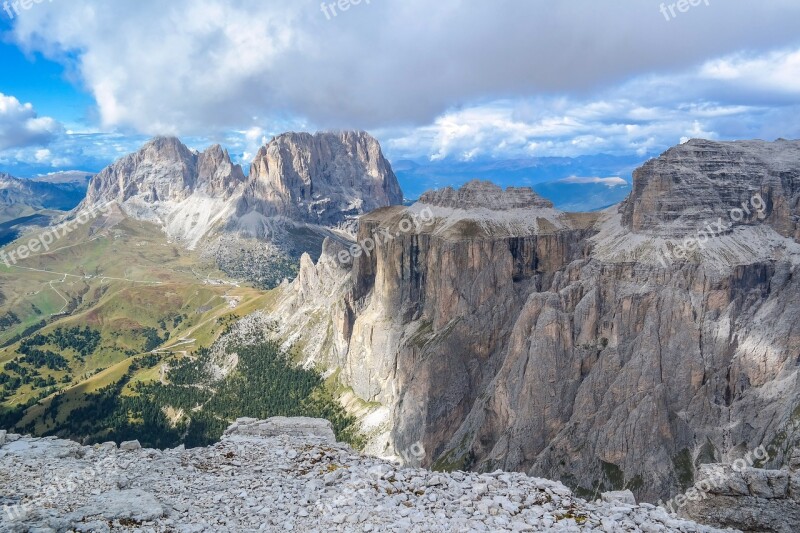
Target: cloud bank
x=20, y=126
x=190, y=65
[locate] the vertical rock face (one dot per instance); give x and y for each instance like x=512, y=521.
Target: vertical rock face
x=510, y=335
x=326, y=178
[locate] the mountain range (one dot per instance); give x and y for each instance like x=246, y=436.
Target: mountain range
x=626, y=348
x=580, y=347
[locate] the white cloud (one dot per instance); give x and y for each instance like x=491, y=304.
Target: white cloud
x=610, y=182
x=778, y=71
x=646, y=114
x=201, y=66
x=20, y=126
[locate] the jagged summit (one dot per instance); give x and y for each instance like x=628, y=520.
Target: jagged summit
x=324, y=178
x=484, y=194
x=165, y=182
x=165, y=170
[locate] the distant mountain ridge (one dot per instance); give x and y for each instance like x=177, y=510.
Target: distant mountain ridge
x=301, y=189
x=21, y=197
x=548, y=176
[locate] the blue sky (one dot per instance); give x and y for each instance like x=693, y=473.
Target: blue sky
x=84, y=82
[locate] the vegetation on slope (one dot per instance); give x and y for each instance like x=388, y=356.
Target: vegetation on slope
x=194, y=407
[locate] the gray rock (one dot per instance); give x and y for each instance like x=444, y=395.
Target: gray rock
x=619, y=496
x=321, y=179
x=134, y=504
x=296, y=427
x=767, y=483
x=131, y=445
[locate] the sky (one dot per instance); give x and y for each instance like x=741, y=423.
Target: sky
x=83, y=82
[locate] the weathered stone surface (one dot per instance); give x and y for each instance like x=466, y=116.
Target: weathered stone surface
x=619, y=496
x=794, y=487
x=135, y=504
x=768, y=484
x=130, y=445
x=326, y=178
x=702, y=180
x=749, y=499
x=287, y=483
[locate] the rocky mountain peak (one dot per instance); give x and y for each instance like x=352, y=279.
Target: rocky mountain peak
x=677, y=193
x=164, y=169
x=217, y=175
x=484, y=194
x=324, y=178
x=165, y=182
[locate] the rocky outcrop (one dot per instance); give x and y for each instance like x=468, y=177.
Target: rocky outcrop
x=309, y=429
x=277, y=477
x=325, y=179
x=558, y=344
x=748, y=499
x=676, y=194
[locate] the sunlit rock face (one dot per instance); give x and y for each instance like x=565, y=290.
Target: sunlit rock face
x=326, y=178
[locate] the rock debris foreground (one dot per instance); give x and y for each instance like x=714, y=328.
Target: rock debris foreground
x=282, y=475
